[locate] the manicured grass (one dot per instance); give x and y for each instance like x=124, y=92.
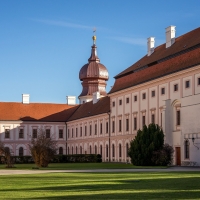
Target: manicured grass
x=74, y=166
x=143, y=185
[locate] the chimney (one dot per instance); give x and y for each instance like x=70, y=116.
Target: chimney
x=170, y=36
x=150, y=45
x=96, y=97
x=25, y=98
x=71, y=100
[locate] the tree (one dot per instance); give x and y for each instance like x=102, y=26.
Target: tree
x=163, y=156
x=42, y=149
x=148, y=140
x=7, y=158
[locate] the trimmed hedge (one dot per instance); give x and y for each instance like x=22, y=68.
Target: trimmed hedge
x=76, y=158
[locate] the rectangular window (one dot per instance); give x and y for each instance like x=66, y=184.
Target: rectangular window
x=198, y=81
x=144, y=96
x=85, y=130
x=72, y=132
x=81, y=131
x=68, y=133
x=101, y=128
x=162, y=91
x=178, y=117
x=113, y=103
x=143, y=120
x=175, y=87
x=153, y=119
x=127, y=124
x=127, y=100
x=187, y=84
x=120, y=102
x=90, y=129
x=47, y=133
x=135, y=123
x=21, y=133
x=95, y=129
x=34, y=133
x=76, y=132
x=106, y=127
x=161, y=119
x=120, y=125
x=7, y=133
x=113, y=126
x=153, y=93
x=135, y=98
x=60, y=133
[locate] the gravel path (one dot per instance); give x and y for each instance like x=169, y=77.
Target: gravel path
x=170, y=169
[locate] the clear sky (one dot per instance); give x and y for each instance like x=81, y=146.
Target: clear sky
x=44, y=43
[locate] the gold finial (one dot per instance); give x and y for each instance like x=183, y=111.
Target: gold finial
x=94, y=36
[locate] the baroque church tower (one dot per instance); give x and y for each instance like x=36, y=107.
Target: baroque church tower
x=93, y=76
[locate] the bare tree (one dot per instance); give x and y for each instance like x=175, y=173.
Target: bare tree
x=7, y=158
x=42, y=148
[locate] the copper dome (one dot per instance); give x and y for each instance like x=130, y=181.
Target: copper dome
x=93, y=69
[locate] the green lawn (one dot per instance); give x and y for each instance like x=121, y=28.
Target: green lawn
x=143, y=185
x=57, y=166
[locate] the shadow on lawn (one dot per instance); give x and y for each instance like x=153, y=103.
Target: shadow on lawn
x=155, y=188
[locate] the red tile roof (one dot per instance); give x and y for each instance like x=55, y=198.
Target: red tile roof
x=36, y=111
x=182, y=43
x=89, y=109
x=184, y=53
x=172, y=65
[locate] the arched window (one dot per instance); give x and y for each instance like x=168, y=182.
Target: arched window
x=101, y=150
x=127, y=148
x=90, y=149
x=95, y=149
x=72, y=150
x=120, y=150
x=113, y=150
x=60, y=151
x=106, y=150
x=80, y=150
x=187, y=145
x=21, y=151
x=68, y=150
x=76, y=150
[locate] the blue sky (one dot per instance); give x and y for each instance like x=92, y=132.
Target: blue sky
x=44, y=43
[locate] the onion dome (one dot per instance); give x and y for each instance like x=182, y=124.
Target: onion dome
x=93, y=69
x=93, y=75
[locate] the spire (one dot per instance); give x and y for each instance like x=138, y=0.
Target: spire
x=94, y=56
